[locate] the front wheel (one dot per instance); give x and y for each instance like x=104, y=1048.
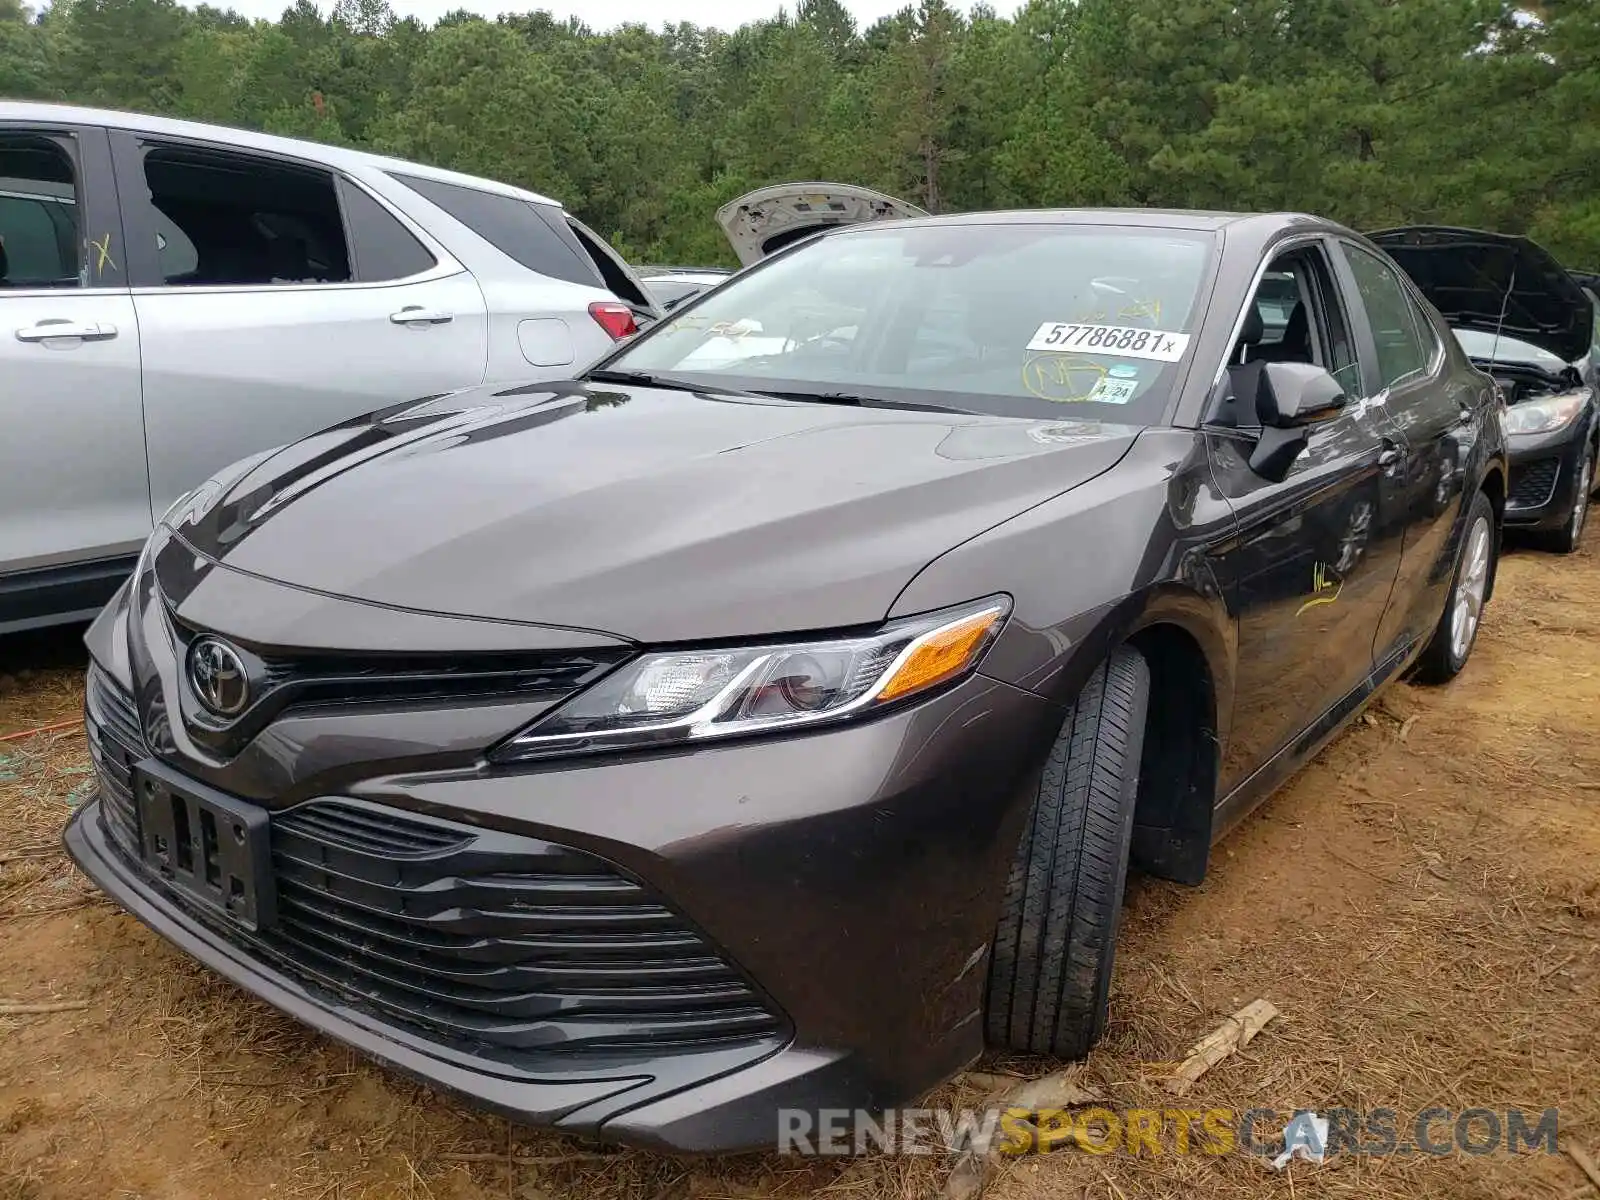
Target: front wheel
x=1567, y=539
x=1451, y=645
x=1051, y=968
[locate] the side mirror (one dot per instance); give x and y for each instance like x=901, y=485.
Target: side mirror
x=1290, y=398
x=1292, y=395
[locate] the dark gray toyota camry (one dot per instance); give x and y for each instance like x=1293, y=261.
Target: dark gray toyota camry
x=768, y=718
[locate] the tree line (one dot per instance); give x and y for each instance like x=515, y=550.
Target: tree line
x=1373, y=112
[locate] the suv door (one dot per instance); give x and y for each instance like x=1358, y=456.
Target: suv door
x=1311, y=565
x=74, y=499
x=277, y=297
x=1431, y=412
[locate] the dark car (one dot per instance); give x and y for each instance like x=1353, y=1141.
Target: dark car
x=1533, y=325
x=767, y=720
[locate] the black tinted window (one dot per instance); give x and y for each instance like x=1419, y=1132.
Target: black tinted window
x=1402, y=348
x=38, y=215
x=237, y=219
x=510, y=225
x=382, y=247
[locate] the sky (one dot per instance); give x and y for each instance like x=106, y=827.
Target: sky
x=597, y=14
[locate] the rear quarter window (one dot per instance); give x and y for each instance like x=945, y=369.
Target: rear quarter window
x=511, y=225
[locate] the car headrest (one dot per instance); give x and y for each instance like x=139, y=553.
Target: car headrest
x=1298, y=331
x=1254, y=327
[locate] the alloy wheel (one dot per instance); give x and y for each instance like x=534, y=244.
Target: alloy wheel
x=1470, y=588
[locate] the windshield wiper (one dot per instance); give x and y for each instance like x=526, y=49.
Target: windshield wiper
x=671, y=383
x=873, y=402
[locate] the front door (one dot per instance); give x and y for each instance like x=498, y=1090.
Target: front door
x=275, y=298
x=1310, y=567
x=74, y=503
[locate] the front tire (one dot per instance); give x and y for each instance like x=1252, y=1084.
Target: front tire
x=1451, y=645
x=1569, y=537
x=1050, y=972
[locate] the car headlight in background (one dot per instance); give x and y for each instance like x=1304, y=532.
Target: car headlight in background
x=667, y=697
x=1545, y=415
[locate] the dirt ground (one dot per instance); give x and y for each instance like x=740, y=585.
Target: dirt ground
x=1422, y=904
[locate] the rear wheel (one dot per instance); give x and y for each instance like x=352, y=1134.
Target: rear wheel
x=1053, y=950
x=1451, y=645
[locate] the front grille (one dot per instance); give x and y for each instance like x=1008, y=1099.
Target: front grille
x=512, y=945
x=1533, y=483
x=115, y=744
x=283, y=684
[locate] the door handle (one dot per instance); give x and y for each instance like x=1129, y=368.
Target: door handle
x=415, y=314
x=87, y=331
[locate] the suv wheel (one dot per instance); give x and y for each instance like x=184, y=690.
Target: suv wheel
x=1051, y=967
x=1452, y=641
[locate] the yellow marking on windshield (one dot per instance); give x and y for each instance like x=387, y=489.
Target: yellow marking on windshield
x=1061, y=378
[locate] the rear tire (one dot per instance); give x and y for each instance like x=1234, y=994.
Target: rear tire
x=1053, y=950
x=1457, y=632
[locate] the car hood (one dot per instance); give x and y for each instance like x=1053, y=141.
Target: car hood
x=655, y=515
x=764, y=221
x=1472, y=277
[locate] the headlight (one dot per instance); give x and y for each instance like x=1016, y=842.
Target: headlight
x=1545, y=415
x=691, y=695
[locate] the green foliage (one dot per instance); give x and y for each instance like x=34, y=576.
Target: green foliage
x=1474, y=112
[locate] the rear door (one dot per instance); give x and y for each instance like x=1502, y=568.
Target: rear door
x=1431, y=412
x=276, y=297
x=72, y=471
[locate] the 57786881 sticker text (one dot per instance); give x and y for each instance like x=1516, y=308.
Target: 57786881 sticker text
x=1122, y=341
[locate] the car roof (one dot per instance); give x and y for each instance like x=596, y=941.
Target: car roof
x=246, y=139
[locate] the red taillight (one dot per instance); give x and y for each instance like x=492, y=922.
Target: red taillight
x=616, y=319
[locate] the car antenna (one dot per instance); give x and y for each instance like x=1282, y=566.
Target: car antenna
x=1505, y=305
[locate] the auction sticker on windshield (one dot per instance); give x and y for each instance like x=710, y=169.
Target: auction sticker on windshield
x=1124, y=341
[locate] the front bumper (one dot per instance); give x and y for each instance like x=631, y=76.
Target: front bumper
x=851, y=877
x=1544, y=475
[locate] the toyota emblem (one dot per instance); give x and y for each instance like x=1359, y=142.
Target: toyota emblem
x=218, y=676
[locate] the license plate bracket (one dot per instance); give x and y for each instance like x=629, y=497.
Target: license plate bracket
x=212, y=847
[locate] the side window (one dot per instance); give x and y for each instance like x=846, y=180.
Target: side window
x=224, y=218
x=509, y=224
x=39, y=234
x=1299, y=318
x=1402, y=351
x=381, y=247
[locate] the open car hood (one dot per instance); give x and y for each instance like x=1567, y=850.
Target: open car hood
x=1472, y=276
x=766, y=220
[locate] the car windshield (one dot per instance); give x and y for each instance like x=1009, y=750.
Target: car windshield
x=1479, y=343
x=1010, y=319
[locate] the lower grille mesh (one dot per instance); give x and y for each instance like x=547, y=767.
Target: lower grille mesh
x=493, y=938
x=1533, y=483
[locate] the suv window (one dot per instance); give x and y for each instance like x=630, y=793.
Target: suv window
x=383, y=248
x=38, y=215
x=1402, y=347
x=509, y=224
x=236, y=219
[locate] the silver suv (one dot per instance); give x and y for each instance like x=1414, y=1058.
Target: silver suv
x=176, y=296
